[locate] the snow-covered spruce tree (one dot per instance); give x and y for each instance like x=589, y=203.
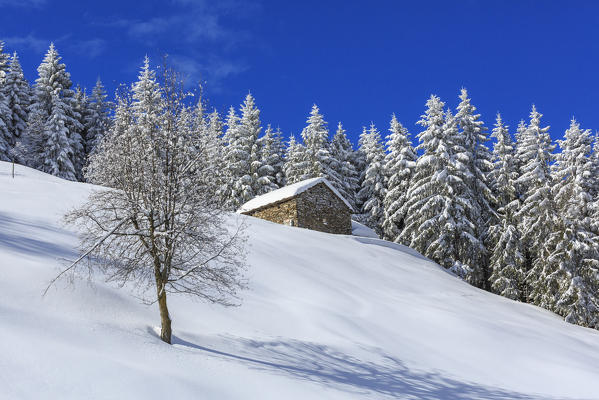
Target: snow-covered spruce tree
x=160, y=224
x=4, y=63
x=97, y=118
x=476, y=164
x=250, y=128
x=16, y=92
x=537, y=214
x=210, y=129
x=574, y=262
x=271, y=161
x=519, y=157
x=56, y=154
x=358, y=159
x=400, y=162
x=374, y=185
x=341, y=151
x=437, y=212
x=278, y=157
x=595, y=175
x=231, y=160
x=317, y=155
x=6, y=137
x=52, y=89
x=506, y=264
x=294, y=167
x=241, y=155
x=80, y=111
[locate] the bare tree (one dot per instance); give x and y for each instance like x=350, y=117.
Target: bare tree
x=158, y=223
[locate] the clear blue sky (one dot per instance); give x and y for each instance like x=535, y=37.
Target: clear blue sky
x=359, y=61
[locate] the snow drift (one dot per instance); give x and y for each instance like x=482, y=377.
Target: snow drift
x=326, y=316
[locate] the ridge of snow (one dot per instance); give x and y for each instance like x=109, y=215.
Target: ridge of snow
x=288, y=192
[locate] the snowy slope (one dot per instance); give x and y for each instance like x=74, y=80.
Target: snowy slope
x=326, y=317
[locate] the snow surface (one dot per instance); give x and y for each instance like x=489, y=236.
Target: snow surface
x=326, y=317
x=287, y=192
x=358, y=229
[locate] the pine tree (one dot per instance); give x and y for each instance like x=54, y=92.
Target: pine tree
x=437, y=219
x=271, y=161
x=341, y=153
x=399, y=165
x=520, y=160
x=238, y=155
x=373, y=188
x=536, y=216
x=358, y=159
x=52, y=90
x=506, y=264
x=56, y=155
x=80, y=111
x=242, y=153
x=4, y=64
x=295, y=165
x=211, y=131
x=97, y=118
x=6, y=137
x=16, y=92
x=317, y=155
x=474, y=158
x=573, y=262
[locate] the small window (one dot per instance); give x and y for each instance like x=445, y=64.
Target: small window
x=324, y=221
x=290, y=222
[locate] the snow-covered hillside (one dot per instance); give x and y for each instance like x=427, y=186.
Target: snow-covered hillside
x=326, y=317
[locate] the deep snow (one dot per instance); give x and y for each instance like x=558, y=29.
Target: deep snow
x=326, y=317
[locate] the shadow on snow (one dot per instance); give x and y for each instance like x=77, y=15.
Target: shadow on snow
x=326, y=366
x=18, y=235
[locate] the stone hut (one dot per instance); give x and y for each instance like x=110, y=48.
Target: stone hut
x=313, y=204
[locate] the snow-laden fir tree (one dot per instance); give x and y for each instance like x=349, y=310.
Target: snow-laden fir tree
x=56, y=154
x=574, y=262
x=97, y=119
x=250, y=128
x=358, y=159
x=437, y=212
x=537, y=214
x=317, y=155
x=474, y=159
x=52, y=90
x=241, y=154
x=507, y=260
x=80, y=111
x=519, y=157
x=6, y=136
x=400, y=162
x=4, y=63
x=270, y=172
x=210, y=129
x=342, y=152
x=294, y=167
x=16, y=92
x=373, y=189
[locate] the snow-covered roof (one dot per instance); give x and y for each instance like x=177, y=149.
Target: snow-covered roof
x=288, y=192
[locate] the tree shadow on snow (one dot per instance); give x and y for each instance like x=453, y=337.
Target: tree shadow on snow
x=324, y=365
x=19, y=236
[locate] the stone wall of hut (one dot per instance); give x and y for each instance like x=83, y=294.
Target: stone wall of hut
x=282, y=213
x=318, y=208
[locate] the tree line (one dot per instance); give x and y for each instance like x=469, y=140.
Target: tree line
x=508, y=214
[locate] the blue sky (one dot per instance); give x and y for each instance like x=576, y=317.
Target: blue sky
x=359, y=61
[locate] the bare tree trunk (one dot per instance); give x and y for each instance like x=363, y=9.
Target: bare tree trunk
x=165, y=319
